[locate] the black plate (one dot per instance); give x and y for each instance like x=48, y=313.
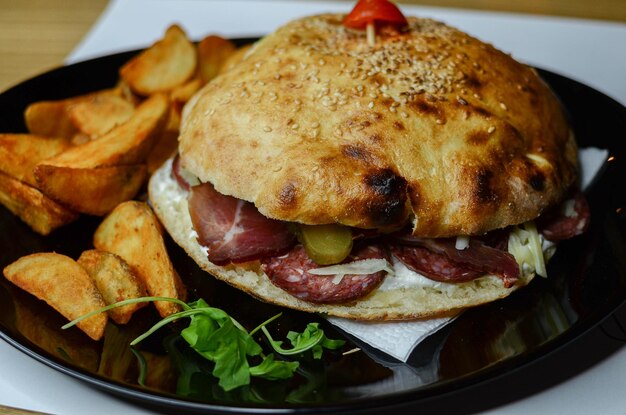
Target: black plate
x=587, y=282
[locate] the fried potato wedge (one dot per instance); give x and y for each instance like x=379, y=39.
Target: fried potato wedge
x=100, y=115
x=38, y=211
x=94, y=191
x=165, y=147
x=115, y=280
x=51, y=118
x=128, y=143
x=133, y=232
x=234, y=58
x=184, y=92
x=168, y=63
x=213, y=53
x=20, y=153
x=63, y=284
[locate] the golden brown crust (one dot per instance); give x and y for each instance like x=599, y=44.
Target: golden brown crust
x=315, y=126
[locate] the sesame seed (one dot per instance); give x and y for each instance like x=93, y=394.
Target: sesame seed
x=370, y=105
x=392, y=109
x=404, y=114
x=295, y=126
x=491, y=129
x=439, y=121
x=315, y=125
x=503, y=106
x=267, y=129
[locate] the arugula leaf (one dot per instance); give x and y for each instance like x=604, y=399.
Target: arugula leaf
x=312, y=338
x=274, y=369
x=220, y=339
x=214, y=336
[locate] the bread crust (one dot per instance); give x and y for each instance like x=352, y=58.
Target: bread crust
x=429, y=125
x=169, y=202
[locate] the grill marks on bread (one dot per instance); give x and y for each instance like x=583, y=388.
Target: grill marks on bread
x=318, y=119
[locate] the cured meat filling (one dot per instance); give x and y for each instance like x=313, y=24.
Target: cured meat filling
x=234, y=231
x=290, y=272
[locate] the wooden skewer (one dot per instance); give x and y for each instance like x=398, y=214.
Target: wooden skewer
x=371, y=33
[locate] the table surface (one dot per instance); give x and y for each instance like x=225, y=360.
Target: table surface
x=36, y=35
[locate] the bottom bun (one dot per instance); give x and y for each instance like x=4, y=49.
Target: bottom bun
x=170, y=204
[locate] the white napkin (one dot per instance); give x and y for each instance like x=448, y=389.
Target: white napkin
x=398, y=339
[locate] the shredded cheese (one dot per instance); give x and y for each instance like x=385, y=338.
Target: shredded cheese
x=526, y=246
x=462, y=242
x=360, y=267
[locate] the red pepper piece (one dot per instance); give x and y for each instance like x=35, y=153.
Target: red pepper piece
x=370, y=11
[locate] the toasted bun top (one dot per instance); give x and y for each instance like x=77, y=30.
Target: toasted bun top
x=430, y=125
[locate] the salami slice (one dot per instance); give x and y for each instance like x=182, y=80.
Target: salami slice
x=290, y=273
x=563, y=222
x=440, y=260
x=435, y=266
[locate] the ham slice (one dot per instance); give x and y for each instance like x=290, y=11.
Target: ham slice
x=233, y=230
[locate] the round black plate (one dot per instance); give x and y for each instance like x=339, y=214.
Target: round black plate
x=587, y=282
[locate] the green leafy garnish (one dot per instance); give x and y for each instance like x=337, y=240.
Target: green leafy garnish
x=312, y=338
x=236, y=356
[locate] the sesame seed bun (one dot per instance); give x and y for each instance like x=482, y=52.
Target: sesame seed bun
x=428, y=125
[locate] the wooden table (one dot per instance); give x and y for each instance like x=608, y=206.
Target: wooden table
x=36, y=35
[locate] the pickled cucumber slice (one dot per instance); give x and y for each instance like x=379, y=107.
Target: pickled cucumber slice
x=326, y=244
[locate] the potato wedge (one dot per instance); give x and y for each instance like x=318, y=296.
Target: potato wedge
x=183, y=93
x=115, y=281
x=94, y=191
x=128, y=143
x=51, y=118
x=165, y=147
x=234, y=58
x=63, y=284
x=213, y=52
x=100, y=115
x=20, y=153
x=133, y=232
x=169, y=62
x=38, y=211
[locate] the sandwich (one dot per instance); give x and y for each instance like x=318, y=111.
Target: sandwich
x=411, y=177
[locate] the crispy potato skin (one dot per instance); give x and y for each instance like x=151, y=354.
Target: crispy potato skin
x=168, y=63
x=133, y=232
x=115, y=280
x=37, y=210
x=64, y=285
